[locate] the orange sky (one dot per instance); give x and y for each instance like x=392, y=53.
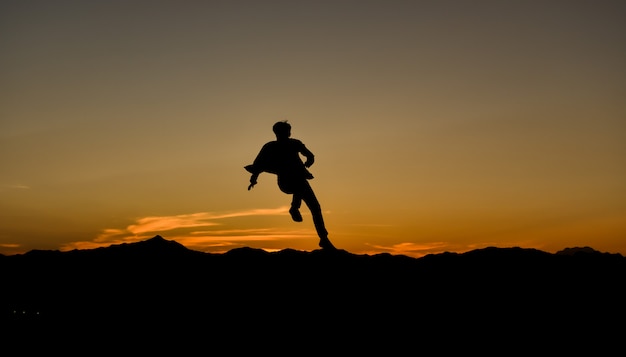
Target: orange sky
x=436, y=125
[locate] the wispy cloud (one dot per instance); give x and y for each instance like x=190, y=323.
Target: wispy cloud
x=411, y=249
x=223, y=240
x=9, y=245
x=418, y=250
x=11, y=248
x=15, y=186
x=167, y=223
x=201, y=219
x=194, y=230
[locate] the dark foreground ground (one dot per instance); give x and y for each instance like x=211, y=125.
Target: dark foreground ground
x=158, y=296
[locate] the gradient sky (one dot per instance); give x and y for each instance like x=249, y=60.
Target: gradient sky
x=436, y=125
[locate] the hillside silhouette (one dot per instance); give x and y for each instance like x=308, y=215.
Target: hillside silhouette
x=502, y=294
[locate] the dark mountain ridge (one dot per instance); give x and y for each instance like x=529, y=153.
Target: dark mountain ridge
x=159, y=246
x=161, y=283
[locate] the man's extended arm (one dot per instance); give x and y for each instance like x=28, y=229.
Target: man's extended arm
x=259, y=165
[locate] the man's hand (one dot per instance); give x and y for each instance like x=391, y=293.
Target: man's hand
x=252, y=182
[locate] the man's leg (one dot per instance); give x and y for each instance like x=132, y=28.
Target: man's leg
x=311, y=201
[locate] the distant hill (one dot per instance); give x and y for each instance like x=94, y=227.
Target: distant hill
x=160, y=284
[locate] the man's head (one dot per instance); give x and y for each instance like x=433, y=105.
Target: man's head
x=282, y=129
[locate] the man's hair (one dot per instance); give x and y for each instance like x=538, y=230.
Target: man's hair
x=281, y=129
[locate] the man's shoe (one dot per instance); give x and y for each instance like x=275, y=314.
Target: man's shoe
x=295, y=215
x=326, y=244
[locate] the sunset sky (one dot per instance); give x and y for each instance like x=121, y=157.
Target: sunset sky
x=437, y=125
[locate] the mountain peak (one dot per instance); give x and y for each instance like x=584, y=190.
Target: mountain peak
x=157, y=238
x=157, y=244
x=586, y=251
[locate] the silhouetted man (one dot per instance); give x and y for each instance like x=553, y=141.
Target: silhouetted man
x=282, y=158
